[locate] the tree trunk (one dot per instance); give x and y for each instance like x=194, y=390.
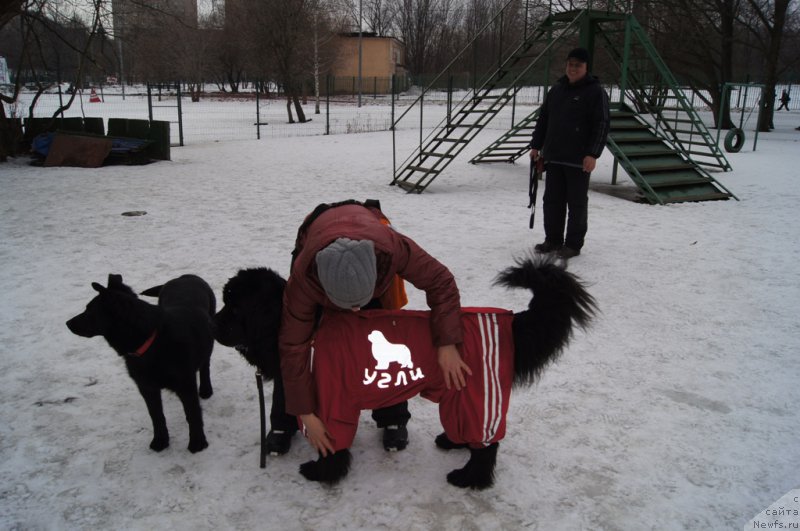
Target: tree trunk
x=301, y=115
x=194, y=92
x=775, y=32
x=726, y=63
x=289, y=108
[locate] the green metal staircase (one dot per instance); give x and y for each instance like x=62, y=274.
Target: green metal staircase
x=660, y=169
x=512, y=144
x=476, y=109
x=654, y=92
x=656, y=134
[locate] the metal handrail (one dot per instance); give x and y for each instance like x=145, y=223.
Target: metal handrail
x=453, y=61
x=466, y=97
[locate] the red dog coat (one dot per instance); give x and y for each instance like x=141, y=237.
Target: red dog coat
x=377, y=358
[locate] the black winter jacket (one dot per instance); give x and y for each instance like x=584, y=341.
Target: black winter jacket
x=573, y=122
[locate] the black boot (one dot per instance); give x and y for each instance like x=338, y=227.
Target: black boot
x=478, y=473
x=279, y=442
x=547, y=247
x=395, y=438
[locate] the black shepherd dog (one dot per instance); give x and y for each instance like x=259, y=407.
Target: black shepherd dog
x=163, y=346
x=250, y=321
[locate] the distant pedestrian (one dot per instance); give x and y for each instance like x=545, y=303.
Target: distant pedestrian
x=785, y=99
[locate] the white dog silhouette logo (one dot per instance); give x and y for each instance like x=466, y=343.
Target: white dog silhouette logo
x=385, y=352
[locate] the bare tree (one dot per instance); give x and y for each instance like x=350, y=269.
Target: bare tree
x=283, y=35
x=377, y=16
x=46, y=33
x=227, y=31
x=422, y=25
x=10, y=9
x=768, y=22
x=710, y=42
x=698, y=40
x=324, y=25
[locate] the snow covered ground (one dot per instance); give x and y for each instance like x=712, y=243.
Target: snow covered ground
x=678, y=409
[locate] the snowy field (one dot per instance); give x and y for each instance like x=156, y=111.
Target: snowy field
x=678, y=409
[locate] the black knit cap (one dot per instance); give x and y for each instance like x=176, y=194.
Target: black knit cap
x=581, y=54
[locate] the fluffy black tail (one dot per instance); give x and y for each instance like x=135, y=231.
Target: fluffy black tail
x=560, y=301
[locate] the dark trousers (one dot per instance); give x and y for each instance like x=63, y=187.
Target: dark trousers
x=566, y=191
x=396, y=415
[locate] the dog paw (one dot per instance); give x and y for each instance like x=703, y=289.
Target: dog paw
x=159, y=443
x=310, y=471
x=444, y=443
x=206, y=392
x=466, y=478
x=198, y=445
x=478, y=473
x=329, y=470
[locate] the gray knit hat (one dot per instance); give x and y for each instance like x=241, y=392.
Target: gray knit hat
x=347, y=272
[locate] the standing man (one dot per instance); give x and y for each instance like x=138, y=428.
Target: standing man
x=570, y=134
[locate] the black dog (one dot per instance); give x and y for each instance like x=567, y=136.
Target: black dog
x=249, y=322
x=539, y=333
x=163, y=346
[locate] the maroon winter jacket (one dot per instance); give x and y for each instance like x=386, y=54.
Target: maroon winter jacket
x=395, y=255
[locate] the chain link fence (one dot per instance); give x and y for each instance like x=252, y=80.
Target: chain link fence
x=220, y=116
x=224, y=116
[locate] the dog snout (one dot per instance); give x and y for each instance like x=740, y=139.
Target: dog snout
x=78, y=325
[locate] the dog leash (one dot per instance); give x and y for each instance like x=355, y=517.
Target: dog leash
x=537, y=167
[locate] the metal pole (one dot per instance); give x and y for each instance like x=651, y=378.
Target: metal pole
x=449, y=99
x=421, y=107
x=394, y=76
x=149, y=102
x=328, y=104
x=513, y=103
x=180, y=117
x=394, y=143
x=121, y=69
x=258, y=113
x=360, y=53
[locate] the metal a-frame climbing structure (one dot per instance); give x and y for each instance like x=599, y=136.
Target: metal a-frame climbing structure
x=656, y=135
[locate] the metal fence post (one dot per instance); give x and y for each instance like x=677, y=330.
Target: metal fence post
x=449, y=99
x=392, y=81
x=328, y=104
x=180, y=116
x=258, y=112
x=394, y=141
x=149, y=102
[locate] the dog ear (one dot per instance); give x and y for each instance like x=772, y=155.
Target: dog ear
x=114, y=280
x=98, y=287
